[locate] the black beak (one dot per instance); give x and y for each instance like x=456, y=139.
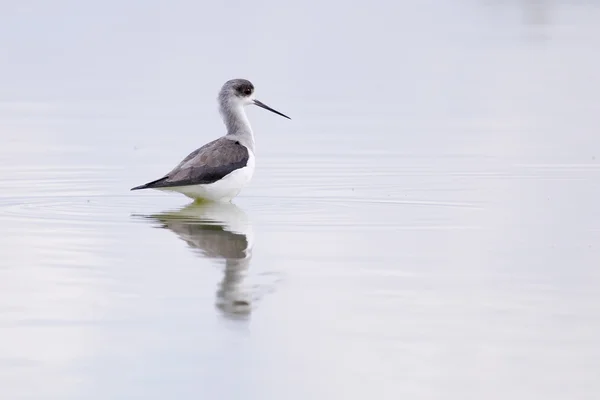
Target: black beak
x=266, y=107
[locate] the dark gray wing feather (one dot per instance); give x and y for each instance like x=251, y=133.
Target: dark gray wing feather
x=208, y=164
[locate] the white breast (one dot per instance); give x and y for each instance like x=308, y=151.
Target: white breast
x=223, y=190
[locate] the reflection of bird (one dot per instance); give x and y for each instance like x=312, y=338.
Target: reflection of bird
x=220, y=169
x=219, y=231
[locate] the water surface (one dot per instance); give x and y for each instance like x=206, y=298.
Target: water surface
x=425, y=226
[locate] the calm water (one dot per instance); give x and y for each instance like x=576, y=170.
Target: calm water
x=426, y=226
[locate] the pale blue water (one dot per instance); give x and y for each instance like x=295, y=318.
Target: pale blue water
x=424, y=227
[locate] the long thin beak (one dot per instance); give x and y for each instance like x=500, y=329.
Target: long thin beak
x=266, y=107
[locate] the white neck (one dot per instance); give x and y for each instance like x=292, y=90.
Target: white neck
x=237, y=124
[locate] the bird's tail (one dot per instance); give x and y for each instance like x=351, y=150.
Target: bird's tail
x=149, y=185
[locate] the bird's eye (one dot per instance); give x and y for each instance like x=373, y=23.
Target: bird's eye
x=247, y=91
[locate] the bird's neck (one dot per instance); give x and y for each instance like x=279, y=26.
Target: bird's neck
x=237, y=124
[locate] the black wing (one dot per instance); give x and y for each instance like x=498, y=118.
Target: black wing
x=208, y=164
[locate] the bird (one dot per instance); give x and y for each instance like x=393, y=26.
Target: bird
x=220, y=169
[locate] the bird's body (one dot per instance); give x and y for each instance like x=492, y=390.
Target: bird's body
x=223, y=189
x=219, y=170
